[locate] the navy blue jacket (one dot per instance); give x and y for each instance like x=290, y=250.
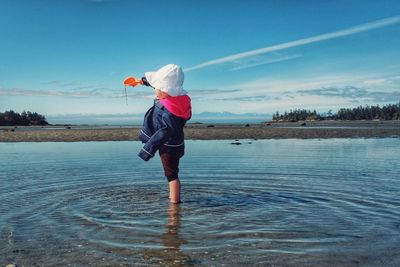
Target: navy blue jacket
x=161, y=131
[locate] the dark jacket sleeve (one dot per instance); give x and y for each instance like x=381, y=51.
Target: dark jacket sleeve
x=158, y=138
x=145, y=82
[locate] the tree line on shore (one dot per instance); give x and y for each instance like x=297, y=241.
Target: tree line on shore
x=386, y=112
x=26, y=118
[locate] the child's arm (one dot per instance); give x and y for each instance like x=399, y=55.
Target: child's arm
x=158, y=138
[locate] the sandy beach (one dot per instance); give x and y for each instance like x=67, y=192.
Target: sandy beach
x=196, y=131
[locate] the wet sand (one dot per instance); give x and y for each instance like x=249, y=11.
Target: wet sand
x=299, y=130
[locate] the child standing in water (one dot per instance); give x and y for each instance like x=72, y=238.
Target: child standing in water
x=164, y=121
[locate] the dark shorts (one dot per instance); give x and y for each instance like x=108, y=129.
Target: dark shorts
x=170, y=164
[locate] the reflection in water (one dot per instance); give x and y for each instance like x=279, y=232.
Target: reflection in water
x=171, y=239
x=171, y=253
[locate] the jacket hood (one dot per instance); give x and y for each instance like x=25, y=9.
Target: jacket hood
x=178, y=105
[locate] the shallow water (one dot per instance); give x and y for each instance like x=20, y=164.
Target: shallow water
x=262, y=203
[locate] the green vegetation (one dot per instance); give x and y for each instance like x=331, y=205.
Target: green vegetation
x=11, y=118
x=387, y=112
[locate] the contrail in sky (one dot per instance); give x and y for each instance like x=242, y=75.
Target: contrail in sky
x=327, y=36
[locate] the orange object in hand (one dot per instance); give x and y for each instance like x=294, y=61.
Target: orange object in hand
x=132, y=81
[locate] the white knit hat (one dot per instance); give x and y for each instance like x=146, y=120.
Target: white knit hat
x=168, y=79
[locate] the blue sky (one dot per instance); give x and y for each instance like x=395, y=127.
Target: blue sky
x=70, y=57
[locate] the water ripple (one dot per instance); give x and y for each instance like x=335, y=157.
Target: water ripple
x=322, y=203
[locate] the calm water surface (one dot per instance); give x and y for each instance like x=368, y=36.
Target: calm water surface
x=289, y=202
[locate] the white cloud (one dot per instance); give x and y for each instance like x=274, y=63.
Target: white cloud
x=327, y=36
x=381, y=81
x=315, y=92
x=265, y=62
x=98, y=92
x=270, y=106
x=277, y=86
x=376, y=81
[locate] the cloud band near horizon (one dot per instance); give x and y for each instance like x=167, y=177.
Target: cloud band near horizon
x=318, y=38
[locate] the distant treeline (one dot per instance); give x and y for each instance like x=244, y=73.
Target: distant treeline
x=387, y=112
x=11, y=118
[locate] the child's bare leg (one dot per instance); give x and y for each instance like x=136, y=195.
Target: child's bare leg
x=175, y=191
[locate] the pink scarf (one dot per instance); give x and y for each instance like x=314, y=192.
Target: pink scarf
x=178, y=105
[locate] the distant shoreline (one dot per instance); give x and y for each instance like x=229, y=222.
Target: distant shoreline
x=273, y=130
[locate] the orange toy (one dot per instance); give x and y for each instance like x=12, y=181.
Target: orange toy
x=132, y=81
